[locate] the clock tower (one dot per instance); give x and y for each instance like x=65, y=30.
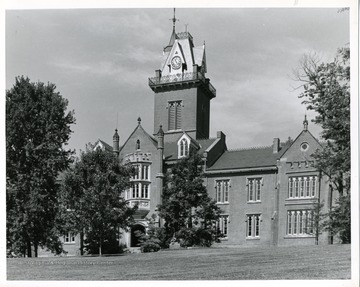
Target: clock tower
x=182, y=91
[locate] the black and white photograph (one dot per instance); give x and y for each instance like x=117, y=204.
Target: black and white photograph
x=181, y=142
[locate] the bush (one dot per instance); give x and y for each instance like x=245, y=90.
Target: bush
x=196, y=236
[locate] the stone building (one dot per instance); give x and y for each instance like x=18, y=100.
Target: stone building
x=267, y=194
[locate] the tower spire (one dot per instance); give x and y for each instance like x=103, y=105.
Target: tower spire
x=173, y=34
x=174, y=19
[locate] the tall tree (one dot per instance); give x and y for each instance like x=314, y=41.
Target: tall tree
x=92, y=198
x=37, y=128
x=327, y=92
x=187, y=209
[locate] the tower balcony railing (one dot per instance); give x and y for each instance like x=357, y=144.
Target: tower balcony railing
x=182, y=77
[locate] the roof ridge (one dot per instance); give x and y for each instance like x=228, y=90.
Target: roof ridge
x=250, y=148
x=203, y=139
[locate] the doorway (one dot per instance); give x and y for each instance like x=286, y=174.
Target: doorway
x=135, y=230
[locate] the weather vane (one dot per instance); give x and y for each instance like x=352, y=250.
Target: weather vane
x=174, y=19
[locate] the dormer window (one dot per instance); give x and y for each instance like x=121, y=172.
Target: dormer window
x=183, y=146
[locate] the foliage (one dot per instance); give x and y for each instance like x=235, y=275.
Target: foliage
x=187, y=209
x=340, y=219
x=37, y=128
x=155, y=237
x=92, y=200
x=327, y=92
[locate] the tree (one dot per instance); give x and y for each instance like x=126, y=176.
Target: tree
x=189, y=213
x=327, y=92
x=92, y=201
x=37, y=128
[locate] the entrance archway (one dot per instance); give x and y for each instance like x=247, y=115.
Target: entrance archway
x=135, y=235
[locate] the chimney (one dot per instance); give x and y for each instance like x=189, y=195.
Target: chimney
x=276, y=145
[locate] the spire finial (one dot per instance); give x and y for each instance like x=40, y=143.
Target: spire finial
x=305, y=123
x=174, y=19
x=139, y=120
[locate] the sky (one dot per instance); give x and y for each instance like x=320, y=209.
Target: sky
x=100, y=61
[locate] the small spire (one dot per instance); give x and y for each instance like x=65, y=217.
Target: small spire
x=139, y=120
x=160, y=132
x=305, y=123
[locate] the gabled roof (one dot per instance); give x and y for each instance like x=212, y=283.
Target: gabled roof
x=139, y=127
x=248, y=158
x=171, y=148
x=103, y=145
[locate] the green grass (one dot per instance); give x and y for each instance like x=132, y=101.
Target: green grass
x=301, y=262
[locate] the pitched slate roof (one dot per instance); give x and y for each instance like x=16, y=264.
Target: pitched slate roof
x=171, y=148
x=248, y=158
x=106, y=146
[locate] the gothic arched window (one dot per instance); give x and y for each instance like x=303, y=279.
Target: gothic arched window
x=184, y=148
x=137, y=144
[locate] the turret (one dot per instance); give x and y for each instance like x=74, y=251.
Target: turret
x=116, y=141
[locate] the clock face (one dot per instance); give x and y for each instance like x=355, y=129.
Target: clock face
x=176, y=62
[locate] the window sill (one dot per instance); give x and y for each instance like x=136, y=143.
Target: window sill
x=69, y=243
x=253, y=202
x=223, y=239
x=252, y=238
x=223, y=203
x=298, y=236
x=301, y=198
x=295, y=201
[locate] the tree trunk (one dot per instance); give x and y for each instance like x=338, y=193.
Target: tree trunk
x=81, y=243
x=100, y=247
x=28, y=248
x=35, y=250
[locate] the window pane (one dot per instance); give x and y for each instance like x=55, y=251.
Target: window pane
x=249, y=221
x=178, y=116
x=257, y=225
x=258, y=189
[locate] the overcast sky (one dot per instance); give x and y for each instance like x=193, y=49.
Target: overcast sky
x=101, y=59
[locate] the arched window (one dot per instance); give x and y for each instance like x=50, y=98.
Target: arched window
x=184, y=148
x=137, y=144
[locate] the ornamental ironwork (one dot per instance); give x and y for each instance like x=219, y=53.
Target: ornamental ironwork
x=182, y=77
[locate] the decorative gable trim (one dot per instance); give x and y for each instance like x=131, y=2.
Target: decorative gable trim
x=183, y=146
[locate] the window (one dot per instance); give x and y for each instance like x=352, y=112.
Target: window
x=140, y=183
x=222, y=191
x=144, y=191
x=254, y=189
x=69, y=238
x=184, y=148
x=253, y=225
x=302, y=187
x=175, y=115
x=300, y=222
x=142, y=172
x=222, y=226
x=139, y=190
x=137, y=144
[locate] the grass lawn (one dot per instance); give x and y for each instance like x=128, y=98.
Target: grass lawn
x=301, y=262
